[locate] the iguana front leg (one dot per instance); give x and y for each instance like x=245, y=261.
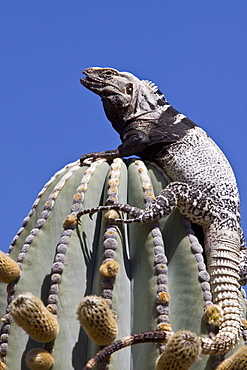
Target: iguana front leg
x=133, y=144
x=108, y=154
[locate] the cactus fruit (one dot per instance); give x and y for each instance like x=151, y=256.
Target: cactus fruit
x=238, y=361
x=96, y=318
x=30, y=313
x=182, y=350
x=9, y=269
x=39, y=359
x=135, y=278
x=2, y=366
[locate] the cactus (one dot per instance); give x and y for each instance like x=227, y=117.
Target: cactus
x=103, y=280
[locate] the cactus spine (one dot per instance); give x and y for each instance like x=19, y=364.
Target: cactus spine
x=150, y=277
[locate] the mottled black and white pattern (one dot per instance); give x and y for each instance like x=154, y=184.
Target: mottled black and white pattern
x=203, y=188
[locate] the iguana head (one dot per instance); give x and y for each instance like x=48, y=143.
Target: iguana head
x=124, y=96
x=107, y=82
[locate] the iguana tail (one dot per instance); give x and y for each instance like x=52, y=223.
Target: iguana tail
x=222, y=249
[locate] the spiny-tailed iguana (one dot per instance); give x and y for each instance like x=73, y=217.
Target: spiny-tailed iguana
x=204, y=187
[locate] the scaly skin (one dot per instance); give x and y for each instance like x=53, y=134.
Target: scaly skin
x=145, y=337
x=203, y=188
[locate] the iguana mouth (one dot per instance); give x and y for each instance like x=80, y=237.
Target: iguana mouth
x=89, y=80
x=93, y=83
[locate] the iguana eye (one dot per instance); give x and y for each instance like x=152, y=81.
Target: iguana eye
x=108, y=73
x=129, y=89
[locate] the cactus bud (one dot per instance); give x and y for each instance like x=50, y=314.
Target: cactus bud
x=182, y=350
x=213, y=315
x=163, y=297
x=29, y=312
x=164, y=327
x=109, y=269
x=97, y=320
x=39, y=359
x=9, y=269
x=70, y=222
x=112, y=215
x=244, y=322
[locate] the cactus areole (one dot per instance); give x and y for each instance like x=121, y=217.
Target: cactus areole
x=83, y=288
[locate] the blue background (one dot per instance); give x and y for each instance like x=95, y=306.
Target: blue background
x=194, y=50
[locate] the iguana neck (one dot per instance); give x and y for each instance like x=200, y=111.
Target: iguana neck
x=145, y=106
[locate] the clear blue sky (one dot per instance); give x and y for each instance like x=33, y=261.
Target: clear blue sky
x=194, y=50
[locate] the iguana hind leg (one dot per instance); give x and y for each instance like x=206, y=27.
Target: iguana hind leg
x=191, y=202
x=222, y=246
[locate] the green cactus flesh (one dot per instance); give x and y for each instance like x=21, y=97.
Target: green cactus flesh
x=61, y=266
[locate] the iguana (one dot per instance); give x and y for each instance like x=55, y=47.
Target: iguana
x=203, y=185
